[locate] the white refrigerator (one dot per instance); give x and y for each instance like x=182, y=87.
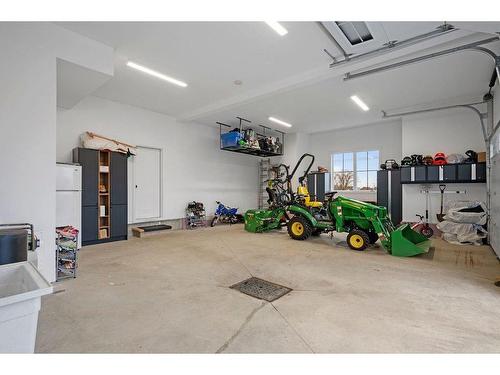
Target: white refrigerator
x=69, y=197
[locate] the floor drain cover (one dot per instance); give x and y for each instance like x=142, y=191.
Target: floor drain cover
x=261, y=289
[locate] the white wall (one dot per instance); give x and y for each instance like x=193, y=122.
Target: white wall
x=451, y=131
x=495, y=179
x=28, y=122
x=193, y=166
x=383, y=136
x=296, y=144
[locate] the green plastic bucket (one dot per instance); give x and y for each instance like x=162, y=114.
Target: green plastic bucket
x=405, y=242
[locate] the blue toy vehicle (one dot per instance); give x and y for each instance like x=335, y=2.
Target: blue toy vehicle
x=225, y=214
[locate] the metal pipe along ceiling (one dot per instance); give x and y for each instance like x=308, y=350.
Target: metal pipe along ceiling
x=391, y=45
x=474, y=46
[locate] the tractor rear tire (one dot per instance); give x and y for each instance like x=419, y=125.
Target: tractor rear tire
x=358, y=240
x=299, y=228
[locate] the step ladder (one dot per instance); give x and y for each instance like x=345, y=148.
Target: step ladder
x=265, y=170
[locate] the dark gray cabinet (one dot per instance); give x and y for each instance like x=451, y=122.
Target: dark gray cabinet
x=118, y=176
x=390, y=193
x=420, y=173
x=118, y=228
x=90, y=224
x=90, y=174
x=318, y=184
x=449, y=173
x=119, y=220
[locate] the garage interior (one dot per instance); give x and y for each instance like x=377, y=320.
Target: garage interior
x=127, y=147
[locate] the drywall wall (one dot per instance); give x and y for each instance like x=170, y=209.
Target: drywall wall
x=28, y=123
x=450, y=131
x=382, y=136
x=495, y=179
x=193, y=166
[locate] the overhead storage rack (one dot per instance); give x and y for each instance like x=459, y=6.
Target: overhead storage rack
x=263, y=143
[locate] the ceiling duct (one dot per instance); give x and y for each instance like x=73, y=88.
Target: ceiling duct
x=355, y=32
x=370, y=39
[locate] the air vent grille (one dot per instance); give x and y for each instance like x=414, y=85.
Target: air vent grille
x=355, y=32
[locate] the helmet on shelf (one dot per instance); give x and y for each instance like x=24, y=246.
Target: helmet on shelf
x=416, y=160
x=471, y=156
x=406, y=161
x=455, y=158
x=428, y=160
x=440, y=159
x=389, y=164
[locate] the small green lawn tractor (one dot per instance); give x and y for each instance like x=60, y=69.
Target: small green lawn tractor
x=365, y=223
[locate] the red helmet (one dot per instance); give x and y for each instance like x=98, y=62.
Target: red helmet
x=440, y=159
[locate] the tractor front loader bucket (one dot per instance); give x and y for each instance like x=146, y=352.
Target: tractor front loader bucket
x=405, y=242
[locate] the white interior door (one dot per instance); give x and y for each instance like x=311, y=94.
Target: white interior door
x=147, y=184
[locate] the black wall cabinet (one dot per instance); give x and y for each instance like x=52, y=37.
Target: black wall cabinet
x=89, y=160
x=450, y=173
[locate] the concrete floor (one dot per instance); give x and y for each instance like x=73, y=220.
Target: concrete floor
x=168, y=293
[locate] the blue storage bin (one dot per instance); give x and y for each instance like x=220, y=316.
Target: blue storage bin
x=230, y=139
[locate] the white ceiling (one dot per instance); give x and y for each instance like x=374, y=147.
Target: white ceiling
x=327, y=105
x=286, y=77
x=209, y=56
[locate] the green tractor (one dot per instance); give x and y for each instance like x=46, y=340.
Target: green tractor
x=365, y=223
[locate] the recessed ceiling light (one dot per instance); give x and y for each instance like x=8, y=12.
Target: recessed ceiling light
x=238, y=82
x=156, y=74
x=278, y=121
x=359, y=102
x=276, y=26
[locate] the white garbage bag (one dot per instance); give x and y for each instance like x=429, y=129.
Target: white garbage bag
x=455, y=215
x=464, y=227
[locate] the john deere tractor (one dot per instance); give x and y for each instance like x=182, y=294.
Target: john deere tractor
x=365, y=223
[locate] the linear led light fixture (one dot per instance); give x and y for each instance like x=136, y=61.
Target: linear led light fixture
x=276, y=26
x=278, y=121
x=359, y=102
x=156, y=74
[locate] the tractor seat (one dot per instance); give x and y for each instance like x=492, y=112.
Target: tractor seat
x=302, y=190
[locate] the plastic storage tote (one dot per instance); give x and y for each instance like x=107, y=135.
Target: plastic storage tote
x=230, y=139
x=21, y=289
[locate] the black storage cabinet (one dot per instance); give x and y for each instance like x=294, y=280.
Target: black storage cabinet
x=89, y=160
x=449, y=173
x=318, y=184
x=390, y=193
x=405, y=174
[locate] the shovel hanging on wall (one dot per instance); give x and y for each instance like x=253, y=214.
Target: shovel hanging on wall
x=440, y=216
